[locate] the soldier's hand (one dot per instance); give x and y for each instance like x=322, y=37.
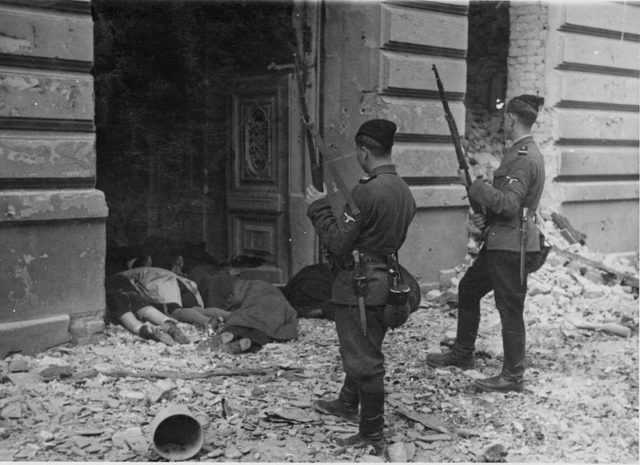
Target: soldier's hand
x=314, y=194
x=478, y=220
x=479, y=171
x=462, y=175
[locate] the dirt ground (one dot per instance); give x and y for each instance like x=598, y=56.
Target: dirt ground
x=580, y=404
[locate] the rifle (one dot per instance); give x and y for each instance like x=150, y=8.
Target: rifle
x=314, y=138
x=316, y=162
x=455, y=137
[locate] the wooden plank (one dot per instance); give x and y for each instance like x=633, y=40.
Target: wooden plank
x=626, y=279
x=429, y=421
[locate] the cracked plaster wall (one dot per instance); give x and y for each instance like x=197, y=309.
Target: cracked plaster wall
x=51, y=216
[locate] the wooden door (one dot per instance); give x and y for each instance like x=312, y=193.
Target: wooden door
x=257, y=186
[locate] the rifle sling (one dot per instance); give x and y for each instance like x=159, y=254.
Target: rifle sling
x=340, y=184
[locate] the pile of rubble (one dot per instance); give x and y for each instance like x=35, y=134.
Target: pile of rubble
x=592, y=291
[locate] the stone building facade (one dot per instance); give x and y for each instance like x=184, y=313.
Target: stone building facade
x=365, y=60
x=51, y=216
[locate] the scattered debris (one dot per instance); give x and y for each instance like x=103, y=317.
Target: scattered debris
x=18, y=365
x=429, y=421
x=96, y=402
x=567, y=231
x=494, y=453
x=612, y=328
x=12, y=410
x=290, y=415
x=56, y=372
x=398, y=452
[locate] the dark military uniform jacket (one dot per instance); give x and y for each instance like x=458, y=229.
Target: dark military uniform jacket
x=517, y=183
x=386, y=208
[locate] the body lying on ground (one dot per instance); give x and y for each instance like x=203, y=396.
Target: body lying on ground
x=257, y=310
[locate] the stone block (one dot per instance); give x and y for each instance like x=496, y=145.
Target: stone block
x=33, y=336
x=426, y=287
x=446, y=277
x=537, y=287
x=44, y=155
x=87, y=331
x=46, y=96
x=63, y=36
x=578, y=267
x=86, y=328
x=595, y=276
x=587, y=124
x=425, y=28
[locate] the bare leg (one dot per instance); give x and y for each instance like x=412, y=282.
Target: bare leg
x=152, y=315
x=214, y=312
x=130, y=322
x=166, y=324
x=194, y=316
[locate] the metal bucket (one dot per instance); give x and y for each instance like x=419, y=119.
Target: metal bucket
x=176, y=433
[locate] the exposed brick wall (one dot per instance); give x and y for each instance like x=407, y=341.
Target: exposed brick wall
x=486, y=80
x=529, y=28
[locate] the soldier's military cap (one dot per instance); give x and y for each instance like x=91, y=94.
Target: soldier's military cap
x=532, y=100
x=380, y=130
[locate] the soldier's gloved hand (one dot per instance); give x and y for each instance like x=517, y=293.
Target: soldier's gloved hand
x=479, y=220
x=463, y=177
x=314, y=194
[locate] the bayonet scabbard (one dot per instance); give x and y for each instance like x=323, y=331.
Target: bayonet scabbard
x=360, y=291
x=524, y=224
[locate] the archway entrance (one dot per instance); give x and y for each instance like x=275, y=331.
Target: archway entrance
x=166, y=83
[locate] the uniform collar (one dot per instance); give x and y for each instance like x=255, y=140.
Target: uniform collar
x=383, y=169
x=522, y=140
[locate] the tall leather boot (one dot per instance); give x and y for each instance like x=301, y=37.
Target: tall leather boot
x=462, y=353
x=346, y=405
x=458, y=356
x=512, y=374
x=371, y=427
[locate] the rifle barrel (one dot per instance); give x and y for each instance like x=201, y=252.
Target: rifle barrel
x=316, y=170
x=455, y=138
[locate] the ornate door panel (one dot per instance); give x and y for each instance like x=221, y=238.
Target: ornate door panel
x=257, y=187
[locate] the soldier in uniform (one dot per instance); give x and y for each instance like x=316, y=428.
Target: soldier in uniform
x=384, y=208
x=509, y=234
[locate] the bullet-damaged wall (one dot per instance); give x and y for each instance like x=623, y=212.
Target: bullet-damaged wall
x=584, y=59
x=378, y=64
